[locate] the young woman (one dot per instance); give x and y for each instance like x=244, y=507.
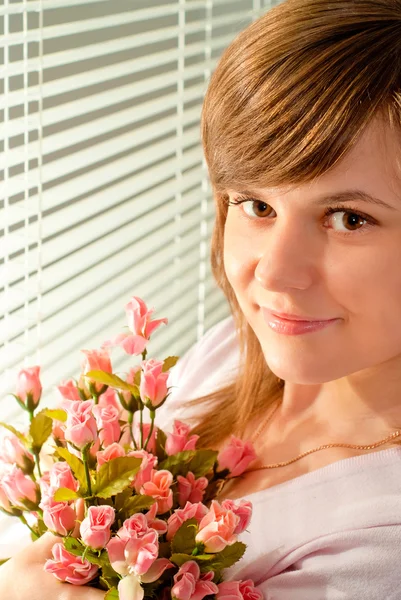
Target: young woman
x=301, y=129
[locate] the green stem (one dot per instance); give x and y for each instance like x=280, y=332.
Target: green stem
x=36, y=454
x=25, y=522
x=141, y=426
x=87, y=473
x=152, y=416
x=130, y=423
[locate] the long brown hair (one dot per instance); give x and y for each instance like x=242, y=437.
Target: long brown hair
x=289, y=98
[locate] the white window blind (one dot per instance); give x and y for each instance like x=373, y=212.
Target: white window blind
x=104, y=192
x=103, y=188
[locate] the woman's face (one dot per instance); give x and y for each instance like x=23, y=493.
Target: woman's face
x=283, y=253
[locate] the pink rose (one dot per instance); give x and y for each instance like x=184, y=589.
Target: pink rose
x=236, y=456
x=157, y=524
x=29, y=388
x=151, y=447
x=96, y=360
x=70, y=568
x=60, y=476
x=216, y=530
x=107, y=423
x=81, y=424
x=19, y=488
x=243, y=510
x=5, y=503
x=189, y=585
x=238, y=590
x=58, y=431
x=59, y=517
x=153, y=387
x=141, y=327
x=13, y=452
x=109, y=398
x=159, y=488
x=133, y=554
x=95, y=528
x=178, y=441
x=149, y=461
x=191, y=489
x=112, y=451
x=68, y=390
x=190, y=511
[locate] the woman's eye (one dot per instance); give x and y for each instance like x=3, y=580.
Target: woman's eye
x=346, y=221
x=257, y=208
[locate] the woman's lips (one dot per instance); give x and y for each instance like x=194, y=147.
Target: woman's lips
x=292, y=327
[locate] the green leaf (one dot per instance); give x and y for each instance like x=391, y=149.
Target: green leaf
x=22, y=438
x=180, y=559
x=137, y=378
x=200, y=462
x=77, y=467
x=169, y=362
x=112, y=594
x=74, y=546
x=229, y=556
x=137, y=503
x=178, y=463
x=203, y=462
x=184, y=540
x=57, y=414
x=116, y=475
x=40, y=429
x=111, y=380
x=121, y=499
x=65, y=495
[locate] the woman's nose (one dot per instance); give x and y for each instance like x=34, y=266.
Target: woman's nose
x=286, y=260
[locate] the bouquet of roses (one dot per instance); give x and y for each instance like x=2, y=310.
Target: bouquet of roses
x=135, y=508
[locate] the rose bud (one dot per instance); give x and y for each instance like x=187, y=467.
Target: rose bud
x=159, y=488
x=95, y=528
x=107, y=419
x=70, y=568
x=191, y=489
x=60, y=476
x=29, y=388
x=153, y=387
x=190, y=585
x=216, y=530
x=14, y=453
x=180, y=440
x=115, y=450
x=141, y=327
x=81, y=428
x=68, y=390
x=20, y=489
x=236, y=456
x=238, y=590
x=96, y=360
x=59, y=517
x=243, y=510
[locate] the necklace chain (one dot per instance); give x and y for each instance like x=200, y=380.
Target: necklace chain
x=288, y=462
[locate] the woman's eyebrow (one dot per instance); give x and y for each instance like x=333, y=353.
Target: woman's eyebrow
x=336, y=197
x=348, y=195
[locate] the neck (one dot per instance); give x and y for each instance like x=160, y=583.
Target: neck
x=362, y=405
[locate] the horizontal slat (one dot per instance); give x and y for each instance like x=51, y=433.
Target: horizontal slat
x=96, y=50
x=100, y=75
x=162, y=152
x=116, y=226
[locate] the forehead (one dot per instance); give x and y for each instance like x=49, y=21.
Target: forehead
x=372, y=165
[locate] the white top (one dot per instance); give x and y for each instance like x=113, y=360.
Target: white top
x=331, y=534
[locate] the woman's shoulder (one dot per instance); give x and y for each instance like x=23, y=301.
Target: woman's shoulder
x=211, y=363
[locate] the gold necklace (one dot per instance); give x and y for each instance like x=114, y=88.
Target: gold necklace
x=288, y=462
